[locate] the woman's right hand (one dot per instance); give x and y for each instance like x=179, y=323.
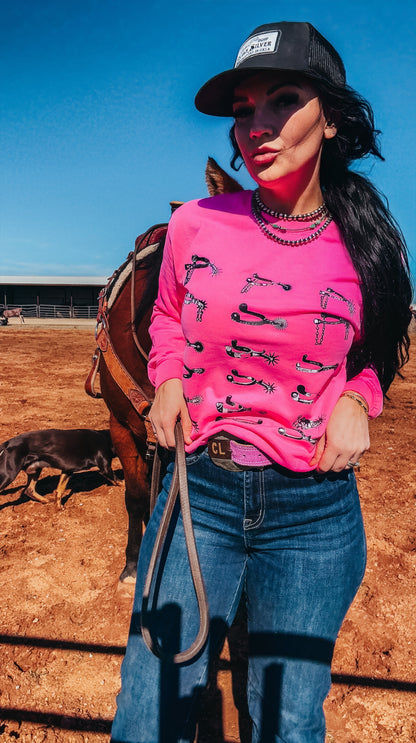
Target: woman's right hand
x=169, y=405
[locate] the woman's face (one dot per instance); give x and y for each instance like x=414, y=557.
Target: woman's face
x=280, y=127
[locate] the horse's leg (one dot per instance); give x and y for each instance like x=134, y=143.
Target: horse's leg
x=137, y=493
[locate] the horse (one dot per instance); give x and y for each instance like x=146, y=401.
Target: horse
x=123, y=321
x=15, y=312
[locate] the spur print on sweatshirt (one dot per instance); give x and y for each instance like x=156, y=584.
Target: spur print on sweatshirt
x=258, y=332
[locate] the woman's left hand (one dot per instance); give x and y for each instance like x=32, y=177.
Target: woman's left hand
x=345, y=440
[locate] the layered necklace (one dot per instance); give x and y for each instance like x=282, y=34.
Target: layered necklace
x=318, y=221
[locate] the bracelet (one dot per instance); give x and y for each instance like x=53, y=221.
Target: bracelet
x=357, y=399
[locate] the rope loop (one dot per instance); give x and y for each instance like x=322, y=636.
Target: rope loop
x=179, y=485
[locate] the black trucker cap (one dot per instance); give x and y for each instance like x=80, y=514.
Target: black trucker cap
x=293, y=46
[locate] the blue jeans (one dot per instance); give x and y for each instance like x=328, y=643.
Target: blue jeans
x=295, y=546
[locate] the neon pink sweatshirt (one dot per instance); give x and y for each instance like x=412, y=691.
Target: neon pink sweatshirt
x=258, y=332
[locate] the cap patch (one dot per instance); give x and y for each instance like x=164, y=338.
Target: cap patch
x=265, y=43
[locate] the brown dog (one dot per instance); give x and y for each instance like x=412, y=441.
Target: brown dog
x=70, y=451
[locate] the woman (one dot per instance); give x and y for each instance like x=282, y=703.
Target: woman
x=281, y=319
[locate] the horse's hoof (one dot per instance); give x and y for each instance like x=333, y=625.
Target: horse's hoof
x=126, y=583
x=128, y=574
x=129, y=579
x=125, y=590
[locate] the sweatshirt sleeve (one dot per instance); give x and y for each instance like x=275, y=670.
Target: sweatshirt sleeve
x=168, y=342
x=367, y=384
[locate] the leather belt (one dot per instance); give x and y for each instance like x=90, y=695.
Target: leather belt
x=234, y=455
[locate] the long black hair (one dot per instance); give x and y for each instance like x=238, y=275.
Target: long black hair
x=373, y=238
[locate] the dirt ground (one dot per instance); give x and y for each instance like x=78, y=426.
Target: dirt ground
x=64, y=624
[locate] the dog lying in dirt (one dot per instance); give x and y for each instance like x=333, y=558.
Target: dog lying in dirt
x=70, y=451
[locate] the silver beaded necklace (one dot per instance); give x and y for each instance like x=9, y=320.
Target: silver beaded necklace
x=321, y=217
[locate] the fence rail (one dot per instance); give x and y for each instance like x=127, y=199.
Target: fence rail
x=55, y=310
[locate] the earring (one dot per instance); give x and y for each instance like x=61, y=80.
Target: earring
x=331, y=128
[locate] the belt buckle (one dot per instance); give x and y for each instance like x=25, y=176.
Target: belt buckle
x=219, y=450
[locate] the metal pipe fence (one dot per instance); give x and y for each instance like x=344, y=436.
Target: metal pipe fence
x=55, y=310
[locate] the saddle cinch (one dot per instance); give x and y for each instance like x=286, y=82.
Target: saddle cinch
x=145, y=246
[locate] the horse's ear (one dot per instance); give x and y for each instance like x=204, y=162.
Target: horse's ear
x=174, y=205
x=218, y=181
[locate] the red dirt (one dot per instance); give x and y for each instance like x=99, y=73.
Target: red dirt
x=64, y=623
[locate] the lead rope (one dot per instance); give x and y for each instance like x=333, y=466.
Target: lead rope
x=179, y=484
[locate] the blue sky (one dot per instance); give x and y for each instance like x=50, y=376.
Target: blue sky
x=99, y=130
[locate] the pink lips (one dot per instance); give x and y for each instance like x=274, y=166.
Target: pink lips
x=263, y=156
